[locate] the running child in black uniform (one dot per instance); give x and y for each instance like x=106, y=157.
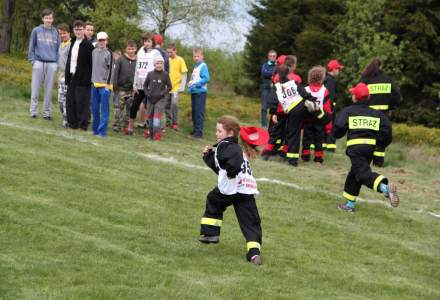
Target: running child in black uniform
x=236, y=185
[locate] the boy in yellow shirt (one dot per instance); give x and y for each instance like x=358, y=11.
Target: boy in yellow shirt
x=178, y=71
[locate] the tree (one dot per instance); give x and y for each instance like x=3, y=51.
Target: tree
x=5, y=25
x=361, y=37
x=26, y=16
x=118, y=18
x=417, y=24
x=302, y=28
x=163, y=14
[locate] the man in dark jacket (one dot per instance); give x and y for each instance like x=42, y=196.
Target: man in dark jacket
x=79, y=79
x=365, y=128
x=267, y=70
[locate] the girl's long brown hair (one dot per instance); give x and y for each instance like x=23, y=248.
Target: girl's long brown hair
x=373, y=68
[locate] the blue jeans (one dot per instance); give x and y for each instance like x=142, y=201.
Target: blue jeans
x=100, y=110
x=198, y=104
x=264, y=102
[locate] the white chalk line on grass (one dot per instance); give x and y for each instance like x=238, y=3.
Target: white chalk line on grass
x=172, y=160
x=63, y=134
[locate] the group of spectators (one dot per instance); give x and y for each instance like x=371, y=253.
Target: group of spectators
x=148, y=80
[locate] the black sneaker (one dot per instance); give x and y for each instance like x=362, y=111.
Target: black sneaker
x=34, y=116
x=49, y=118
x=293, y=162
x=207, y=239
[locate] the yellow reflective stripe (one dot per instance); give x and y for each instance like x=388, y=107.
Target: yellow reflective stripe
x=292, y=155
x=331, y=146
x=362, y=122
x=210, y=221
x=377, y=181
x=278, y=141
x=379, y=88
x=377, y=153
x=348, y=196
x=312, y=146
x=361, y=142
x=379, y=107
x=324, y=145
x=250, y=245
x=280, y=147
x=293, y=104
x=321, y=114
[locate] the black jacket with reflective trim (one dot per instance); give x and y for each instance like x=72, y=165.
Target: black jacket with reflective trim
x=383, y=90
x=359, y=121
x=229, y=156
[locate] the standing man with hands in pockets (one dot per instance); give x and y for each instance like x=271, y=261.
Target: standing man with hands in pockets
x=43, y=54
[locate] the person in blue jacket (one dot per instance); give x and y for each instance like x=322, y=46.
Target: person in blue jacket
x=43, y=55
x=198, y=88
x=267, y=70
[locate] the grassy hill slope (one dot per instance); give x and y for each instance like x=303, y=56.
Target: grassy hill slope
x=89, y=218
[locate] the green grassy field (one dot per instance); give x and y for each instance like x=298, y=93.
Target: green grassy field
x=118, y=218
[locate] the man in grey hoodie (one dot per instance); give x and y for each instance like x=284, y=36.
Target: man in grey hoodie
x=43, y=54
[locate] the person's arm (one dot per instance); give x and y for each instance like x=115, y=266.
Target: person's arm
x=168, y=83
x=266, y=73
x=230, y=158
x=330, y=84
x=340, y=126
x=208, y=158
x=396, y=97
x=58, y=44
x=136, y=75
x=32, y=41
x=146, y=86
x=116, y=74
x=204, y=76
x=183, y=82
x=385, y=135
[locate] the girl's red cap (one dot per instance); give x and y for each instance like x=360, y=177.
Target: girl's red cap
x=255, y=136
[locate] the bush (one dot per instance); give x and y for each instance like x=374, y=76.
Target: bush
x=15, y=69
x=416, y=135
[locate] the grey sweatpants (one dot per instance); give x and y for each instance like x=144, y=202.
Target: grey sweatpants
x=42, y=72
x=172, y=108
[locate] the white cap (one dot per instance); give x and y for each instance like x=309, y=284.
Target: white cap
x=101, y=36
x=158, y=58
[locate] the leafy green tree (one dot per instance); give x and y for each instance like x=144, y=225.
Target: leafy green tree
x=118, y=18
x=417, y=25
x=302, y=28
x=360, y=38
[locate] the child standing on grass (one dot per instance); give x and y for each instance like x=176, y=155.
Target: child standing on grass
x=365, y=128
x=156, y=88
x=313, y=132
x=198, y=89
x=144, y=65
x=123, y=85
x=102, y=71
x=63, y=53
x=236, y=185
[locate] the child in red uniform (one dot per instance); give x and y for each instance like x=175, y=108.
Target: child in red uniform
x=236, y=185
x=314, y=131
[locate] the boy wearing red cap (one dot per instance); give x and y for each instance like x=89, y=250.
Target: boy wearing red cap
x=333, y=69
x=365, y=128
x=235, y=186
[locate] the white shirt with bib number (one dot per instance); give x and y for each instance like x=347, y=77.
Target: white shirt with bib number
x=287, y=94
x=319, y=95
x=243, y=183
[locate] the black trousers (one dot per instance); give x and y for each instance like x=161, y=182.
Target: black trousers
x=246, y=212
x=277, y=132
x=313, y=134
x=295, y=118
x=360, y=172
x=137, y=100
x=78, y=105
